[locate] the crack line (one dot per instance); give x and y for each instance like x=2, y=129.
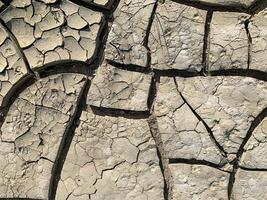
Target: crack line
x=241, y=149
x=249, y=42
x=17, y=46
x=146, y=38
x=206, y=43
x=163, y=162
x=212, y=137
x=114, y=112
x=253, y=169
x=197, y=162
x=66, y=141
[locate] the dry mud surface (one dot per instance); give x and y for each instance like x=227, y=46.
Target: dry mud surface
x=133, y=99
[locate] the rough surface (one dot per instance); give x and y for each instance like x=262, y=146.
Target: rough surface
x=31, y=135
x=257, y=29
x=198, y=182
x=176, y=37
x=111, y=158
x=125, y=42
x=119, y=89
x=255, y=155
x=12, y=66
x=133, y=99
x=228, y=41
x=55, y=31
x=228, y=105
x=250, y=185
x=183, y=134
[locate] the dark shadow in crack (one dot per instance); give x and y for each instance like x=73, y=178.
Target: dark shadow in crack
x=196, y=162
x=66, y=142
x=261, y=116
x=59, y=67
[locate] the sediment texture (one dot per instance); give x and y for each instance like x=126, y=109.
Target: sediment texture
x=133, y=99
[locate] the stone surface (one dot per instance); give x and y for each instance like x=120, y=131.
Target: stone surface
x=133, y=100
x=198, y=182
x=119, y=89
x=257, y=29
x=176, y=37
x=111, y=158
x=228, y=105
x=63, y=26
x=128, y=31
x=31, y=135
x=255, y=155
x=250, y=185
x=12, y=66
x=183, y=135
x=228, y=41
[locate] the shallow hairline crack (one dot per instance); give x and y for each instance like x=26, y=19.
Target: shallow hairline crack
x=19, y=49
x=66, y=141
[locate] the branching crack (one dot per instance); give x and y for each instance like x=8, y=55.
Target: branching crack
x=241, y=149
x=220, y=148
x=66, y=141
x=163, y=161
x=17, y=46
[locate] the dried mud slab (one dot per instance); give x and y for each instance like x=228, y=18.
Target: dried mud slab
x=54, y=30
x=119, y=89
x=255, y=155
x=250, y=185
x=257, y=29
x=32, y=132
x=12, y=65
x=183, y=135
x=177, y=36
x=133, y=99
x=228, y=41
x=228, y=105
x=111, y=158
x=198, y=182
x=125, y=43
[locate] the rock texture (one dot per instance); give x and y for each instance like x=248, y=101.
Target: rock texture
x=183, y=133
x=126, y=39
x=228, y=41
x=111, y=158
x=255, y=150
x=54, y=30
x=228, y=105
x=32, y=133
x=176, y=37
x=198, y=182
x=250, y=185
x=119, y=89
x=133, y=100
x=257, y=30
x=12, y=65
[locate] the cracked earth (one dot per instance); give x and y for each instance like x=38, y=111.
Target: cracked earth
x=133, y=99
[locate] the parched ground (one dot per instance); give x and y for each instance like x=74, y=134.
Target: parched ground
x=133, y=99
